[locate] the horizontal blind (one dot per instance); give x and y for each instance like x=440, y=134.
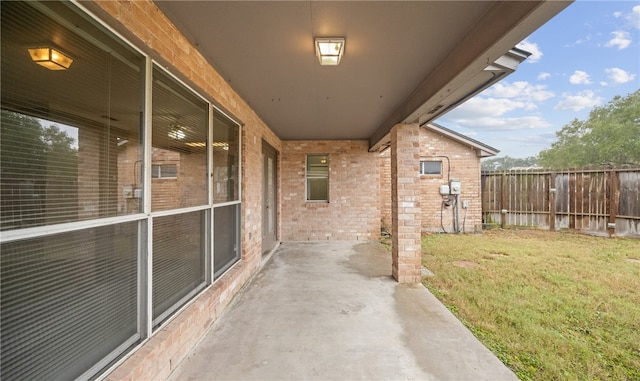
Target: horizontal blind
x=67, y=301
x=179, y=138
x=178, y=260
x=69, y=139
x=226, y=245
x=226, y=151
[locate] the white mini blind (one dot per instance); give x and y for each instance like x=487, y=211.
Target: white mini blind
x=226, y=149
x=69, y=151
x=65, y=133
x=68, y=301
x=72, y=183
x=178, y=260
x=179, y=137
x=226, y=244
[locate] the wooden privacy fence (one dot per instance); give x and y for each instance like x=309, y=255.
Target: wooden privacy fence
x=599, y=201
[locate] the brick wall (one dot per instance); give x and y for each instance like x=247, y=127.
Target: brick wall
x=405, y=203
x=465, y=166
x=384, y=166
x=353, y=210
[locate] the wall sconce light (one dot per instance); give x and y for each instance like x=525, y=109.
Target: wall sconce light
x=50, y=58
x=329, y=50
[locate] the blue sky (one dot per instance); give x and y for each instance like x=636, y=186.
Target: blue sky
x=581, y=59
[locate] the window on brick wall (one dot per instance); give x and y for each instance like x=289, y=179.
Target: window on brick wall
x=318, y=178
x=164, y=171
x=431, y=167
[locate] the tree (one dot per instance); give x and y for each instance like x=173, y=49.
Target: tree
x=610, y=136
x=36, y=162
x=507, y=162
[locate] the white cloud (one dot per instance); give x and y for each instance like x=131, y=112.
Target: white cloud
x=634, y=17
x=503, y=124
x=522, y=91
x=488, y=110
x=479, y=107
x=620, y=39
x=579, y=77
x=617, y=14
x=618, y=75
x=542, y=76
x=586, y=39
x=533, y=48
x=580, y=101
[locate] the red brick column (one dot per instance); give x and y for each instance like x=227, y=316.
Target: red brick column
x=405, y=203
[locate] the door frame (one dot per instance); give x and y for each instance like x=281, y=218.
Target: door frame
x=269, y=197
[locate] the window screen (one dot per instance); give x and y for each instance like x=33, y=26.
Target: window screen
x=178, y=260
x=180, y=129
x=226, y=148
x=67, y=301
x=226, y=245
x=70, y=150
x=69, y=139
x=428, y=167
x=318, y=178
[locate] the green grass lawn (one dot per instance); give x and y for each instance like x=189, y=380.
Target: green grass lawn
x=551, y=306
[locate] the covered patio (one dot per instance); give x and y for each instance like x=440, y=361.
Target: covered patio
x=332, y=311
x=154, y=151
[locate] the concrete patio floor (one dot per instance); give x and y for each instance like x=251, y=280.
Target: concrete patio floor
x=332, y=311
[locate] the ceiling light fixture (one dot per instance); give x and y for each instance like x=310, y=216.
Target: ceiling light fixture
x=50, y=58
x=329, y=50
x=176, y=132
x=223, y=145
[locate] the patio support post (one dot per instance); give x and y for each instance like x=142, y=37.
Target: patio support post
x=405, y=203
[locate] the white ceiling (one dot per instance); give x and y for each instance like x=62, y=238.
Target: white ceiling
x=401, y=58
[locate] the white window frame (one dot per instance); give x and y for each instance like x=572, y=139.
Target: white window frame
x=310, y=177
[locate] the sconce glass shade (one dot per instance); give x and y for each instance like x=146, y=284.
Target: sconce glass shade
x=329, y=50
x=50, y=58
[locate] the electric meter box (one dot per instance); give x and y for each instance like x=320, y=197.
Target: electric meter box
x=455, y=187
x=444, y=190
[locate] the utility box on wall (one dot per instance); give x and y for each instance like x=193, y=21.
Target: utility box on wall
x=459, y=159
x=455, y=187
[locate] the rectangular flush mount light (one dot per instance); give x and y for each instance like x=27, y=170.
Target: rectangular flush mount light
x=329, y=50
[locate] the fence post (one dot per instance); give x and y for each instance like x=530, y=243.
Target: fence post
x=503, y=192
x=552, y=201
x=612, y=201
